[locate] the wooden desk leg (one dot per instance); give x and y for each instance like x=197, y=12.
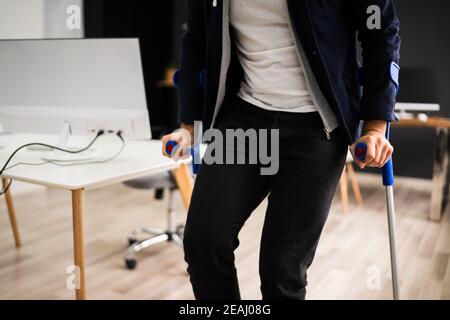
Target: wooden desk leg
x=12, y=214
x=184, y=183
x=78, y=242
x=344, y=191
x=439, y=189
x=354, y=183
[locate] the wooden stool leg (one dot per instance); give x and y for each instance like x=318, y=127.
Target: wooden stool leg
x=344, y=191
x=184, y=183
x=12, y=214
x=355, y=185
x=78, y=243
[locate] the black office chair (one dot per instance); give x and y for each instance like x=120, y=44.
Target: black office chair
x=162, y=184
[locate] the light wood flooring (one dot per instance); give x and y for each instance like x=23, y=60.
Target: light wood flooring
x=352, y=256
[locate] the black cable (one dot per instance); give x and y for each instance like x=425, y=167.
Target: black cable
x=16, y=165
x=78, y=163
x=100, y=133
x=5, y=189
x=119, y=134
x=25, y=164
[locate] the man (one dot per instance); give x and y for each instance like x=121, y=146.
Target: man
x=287, y=65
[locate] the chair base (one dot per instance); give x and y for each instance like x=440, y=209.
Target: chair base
x=172, y=233
x=158, y=236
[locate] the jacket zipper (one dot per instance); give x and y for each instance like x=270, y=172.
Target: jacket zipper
x=327, y=133
x=326, y=129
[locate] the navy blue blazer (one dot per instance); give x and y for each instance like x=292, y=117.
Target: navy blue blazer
x=327, y=30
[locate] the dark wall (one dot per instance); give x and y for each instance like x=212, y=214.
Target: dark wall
x=153, y=23
x=425, y=32
x=425, y=76
x=179, y=26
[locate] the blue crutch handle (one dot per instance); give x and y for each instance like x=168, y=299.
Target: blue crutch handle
x=176, y=78
x=388, y=169
x=388, y=173
x=196, y=159
x=171, y=147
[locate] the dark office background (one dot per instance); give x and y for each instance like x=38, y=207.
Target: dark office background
x=158, y=26
x=425, y=30
x=425, y=75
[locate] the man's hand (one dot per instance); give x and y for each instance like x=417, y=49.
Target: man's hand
x=184, y=137
x=379, y=150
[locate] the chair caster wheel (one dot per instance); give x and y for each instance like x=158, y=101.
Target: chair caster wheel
x=131, y=241
x=131, y=264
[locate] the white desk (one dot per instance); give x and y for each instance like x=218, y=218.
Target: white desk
x=138, y=159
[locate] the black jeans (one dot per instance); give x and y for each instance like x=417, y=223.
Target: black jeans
x=300, y=196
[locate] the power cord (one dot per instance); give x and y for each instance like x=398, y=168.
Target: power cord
x=5, y=166
x=25, y=164
x=60, y=164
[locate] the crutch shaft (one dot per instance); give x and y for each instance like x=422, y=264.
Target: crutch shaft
x=392, y=240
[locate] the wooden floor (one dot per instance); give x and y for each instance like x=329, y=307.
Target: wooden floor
x=351, y=258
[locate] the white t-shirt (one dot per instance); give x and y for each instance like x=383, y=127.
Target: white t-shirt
x=273, y=75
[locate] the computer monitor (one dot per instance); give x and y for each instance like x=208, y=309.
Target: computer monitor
x=89, y=84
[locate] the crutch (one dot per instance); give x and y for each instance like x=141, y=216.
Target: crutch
x=388, y=182
x=172, y=146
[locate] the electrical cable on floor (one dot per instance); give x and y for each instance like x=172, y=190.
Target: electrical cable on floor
x=100, y=133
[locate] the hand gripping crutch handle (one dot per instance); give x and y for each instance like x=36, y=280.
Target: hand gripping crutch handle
x=388, y=169
x=171, y=148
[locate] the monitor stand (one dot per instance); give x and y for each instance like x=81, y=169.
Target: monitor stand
x=63, y=142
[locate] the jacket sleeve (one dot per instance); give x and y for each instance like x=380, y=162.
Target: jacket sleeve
x=192, y=62
x=380, y=47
